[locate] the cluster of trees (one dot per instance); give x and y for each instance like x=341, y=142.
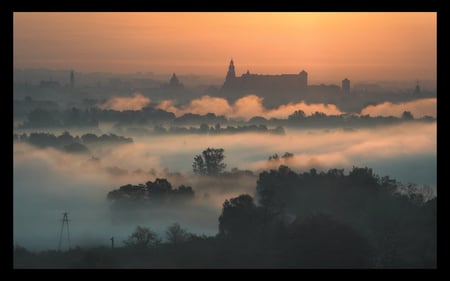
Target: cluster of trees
x=296, y=220
x=311, y=241
x=144, y=237
x=159, y=191
x=68, y=142
x=324, y=219
x=398, y=221
x=217, y=129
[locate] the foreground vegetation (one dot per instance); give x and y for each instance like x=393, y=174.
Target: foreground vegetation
x=296, y=220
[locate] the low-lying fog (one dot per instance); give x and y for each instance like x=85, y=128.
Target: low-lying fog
x=48, y=182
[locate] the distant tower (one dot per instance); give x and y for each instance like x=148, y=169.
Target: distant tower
x=231, y=74
x=417, y=89
x=346, y=85
x=174, y=82
x=65, y=221
x=72, y=79
x=304, y=79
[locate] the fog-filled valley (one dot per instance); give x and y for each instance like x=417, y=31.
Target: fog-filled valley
x=123, y=167
x=224, y=140
x=48, y=181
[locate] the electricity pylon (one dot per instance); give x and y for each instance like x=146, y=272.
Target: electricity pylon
x=65, y=221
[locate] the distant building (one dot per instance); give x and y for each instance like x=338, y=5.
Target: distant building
x=346, y=85
x=250, y=81
x=72, y=79
x=417, y=89
x=174, y=83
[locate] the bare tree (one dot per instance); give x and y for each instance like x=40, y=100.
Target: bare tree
x=142, y=237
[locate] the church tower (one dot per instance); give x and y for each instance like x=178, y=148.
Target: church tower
x=231, y=76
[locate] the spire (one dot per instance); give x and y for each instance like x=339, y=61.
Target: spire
x=174, y=80
x=174, y=83
x=174, y=77
x=231, y=74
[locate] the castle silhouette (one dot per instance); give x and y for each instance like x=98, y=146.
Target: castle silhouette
x=250, y=81
x=277, y=89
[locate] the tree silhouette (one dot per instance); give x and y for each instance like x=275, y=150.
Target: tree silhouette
x=142, y=237
x=298, y=114
x=407, y=115
x=199, y=166
x=175, y=234
x=210, y=162
x=240, y=217
x=159, y=191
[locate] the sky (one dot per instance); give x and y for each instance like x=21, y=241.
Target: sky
x=329, y=46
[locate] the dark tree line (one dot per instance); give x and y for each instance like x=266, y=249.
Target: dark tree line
x=81, y=118
x=68, y=142
x=318, y=119
x=159, y=191
x=217, y=129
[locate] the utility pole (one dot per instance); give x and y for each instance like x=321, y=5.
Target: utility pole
x=65, y=221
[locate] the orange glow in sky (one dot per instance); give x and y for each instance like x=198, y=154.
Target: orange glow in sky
x=330, y=46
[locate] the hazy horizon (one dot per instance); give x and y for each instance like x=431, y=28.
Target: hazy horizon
x=329, y=46
x=217, y=79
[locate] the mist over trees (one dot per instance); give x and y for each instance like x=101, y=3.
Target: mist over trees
x=325, y=220
x=309, y=219
x=149, y=120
